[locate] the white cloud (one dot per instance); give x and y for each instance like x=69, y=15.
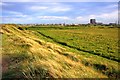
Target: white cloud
x=33, y=19
x=60, y=0
x=50, y=7
x=53, y=8
x=38, y=7
x=1, y=3
x=60, y=9
x=105, y=17
x=112, y=6
x=53, y=17
x=108, y=17
x=15, y=14
x=79, y=18
x=18, y=0
x=16, y=20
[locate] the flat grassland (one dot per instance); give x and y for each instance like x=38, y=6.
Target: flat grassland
x=60, y=51
x=94, y=40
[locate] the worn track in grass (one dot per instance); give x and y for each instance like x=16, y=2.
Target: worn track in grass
x=65, y=44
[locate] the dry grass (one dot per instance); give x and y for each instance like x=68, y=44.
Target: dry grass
x=44, y=59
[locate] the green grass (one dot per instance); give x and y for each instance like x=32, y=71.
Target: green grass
x=97, y=47
x=102, y=42
x=34, y=55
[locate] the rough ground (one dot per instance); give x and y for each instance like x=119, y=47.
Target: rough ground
x=26, y=55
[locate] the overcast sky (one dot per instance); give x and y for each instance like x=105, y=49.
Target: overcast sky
x=58, y=12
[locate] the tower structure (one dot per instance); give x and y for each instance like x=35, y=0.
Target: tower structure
x=92, y=21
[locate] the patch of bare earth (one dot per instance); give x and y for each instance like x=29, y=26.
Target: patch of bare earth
x=5, y=63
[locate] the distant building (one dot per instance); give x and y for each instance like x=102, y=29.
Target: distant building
x=99, y=23
x=92, y=21
x=119, y=22
x=112, y=23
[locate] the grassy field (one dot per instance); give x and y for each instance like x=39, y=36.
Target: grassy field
x=95, y=40
x=60, y=52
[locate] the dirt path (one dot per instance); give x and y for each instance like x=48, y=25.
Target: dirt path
x=5, y=63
